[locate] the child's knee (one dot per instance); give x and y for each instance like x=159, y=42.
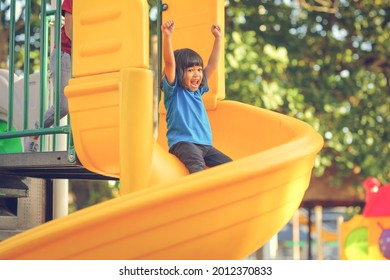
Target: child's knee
x=196, y=167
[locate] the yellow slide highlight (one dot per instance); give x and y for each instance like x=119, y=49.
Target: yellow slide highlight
x=225, y=212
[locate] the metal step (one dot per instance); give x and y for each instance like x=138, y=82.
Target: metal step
x=18, y=214
x=46, y=165
x=12, y=186
x=8, y=220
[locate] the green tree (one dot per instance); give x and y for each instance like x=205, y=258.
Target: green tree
x=5, y=9
x=325, y=64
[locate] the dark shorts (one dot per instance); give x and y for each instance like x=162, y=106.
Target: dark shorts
x=196, y=157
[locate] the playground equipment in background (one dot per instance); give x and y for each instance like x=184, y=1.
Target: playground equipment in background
x=328, y=231
x=225, y=212
x=15, y=145
x=367, y=236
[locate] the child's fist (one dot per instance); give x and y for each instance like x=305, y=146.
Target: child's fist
x=216, y=30
x=168, y=27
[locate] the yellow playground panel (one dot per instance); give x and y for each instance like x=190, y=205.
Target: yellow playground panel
x=365, y=238
x=225, y=212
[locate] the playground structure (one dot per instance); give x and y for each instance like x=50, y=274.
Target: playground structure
x=225, y=212
x=367, y=236
x=16, y=145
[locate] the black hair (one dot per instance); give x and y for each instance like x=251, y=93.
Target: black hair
x=185, y=58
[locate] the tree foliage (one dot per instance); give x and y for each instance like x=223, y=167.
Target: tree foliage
x=327, y=64
x=20, y=23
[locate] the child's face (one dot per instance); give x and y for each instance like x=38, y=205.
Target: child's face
x=193, y=77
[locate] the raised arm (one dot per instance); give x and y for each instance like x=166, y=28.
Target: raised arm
x=68, y=25
x=167, y=29
x=215, y=53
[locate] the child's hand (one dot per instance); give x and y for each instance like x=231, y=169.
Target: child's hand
x=216, y=30
x=168, y=27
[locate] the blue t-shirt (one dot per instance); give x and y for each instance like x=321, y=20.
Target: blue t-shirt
x=187, y=119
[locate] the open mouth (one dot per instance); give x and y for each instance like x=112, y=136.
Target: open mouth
x=195, y=83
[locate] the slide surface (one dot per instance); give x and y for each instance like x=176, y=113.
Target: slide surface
x=225, y=212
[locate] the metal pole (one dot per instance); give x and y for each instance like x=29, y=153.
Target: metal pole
x=43, y=64
x=27, y=17
x=160, y=8
x=309, y=224
x=11, y=84
x=57, y=36
x=270, y=249
x=318, y=223
x=295, y=236
x=340, y=221
x=60, y=186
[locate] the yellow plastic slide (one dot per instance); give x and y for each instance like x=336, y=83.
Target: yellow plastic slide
x=225, y=212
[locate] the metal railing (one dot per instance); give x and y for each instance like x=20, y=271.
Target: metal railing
x=47, y=18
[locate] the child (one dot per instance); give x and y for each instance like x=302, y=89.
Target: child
x=31, y=143
x=184, y=83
